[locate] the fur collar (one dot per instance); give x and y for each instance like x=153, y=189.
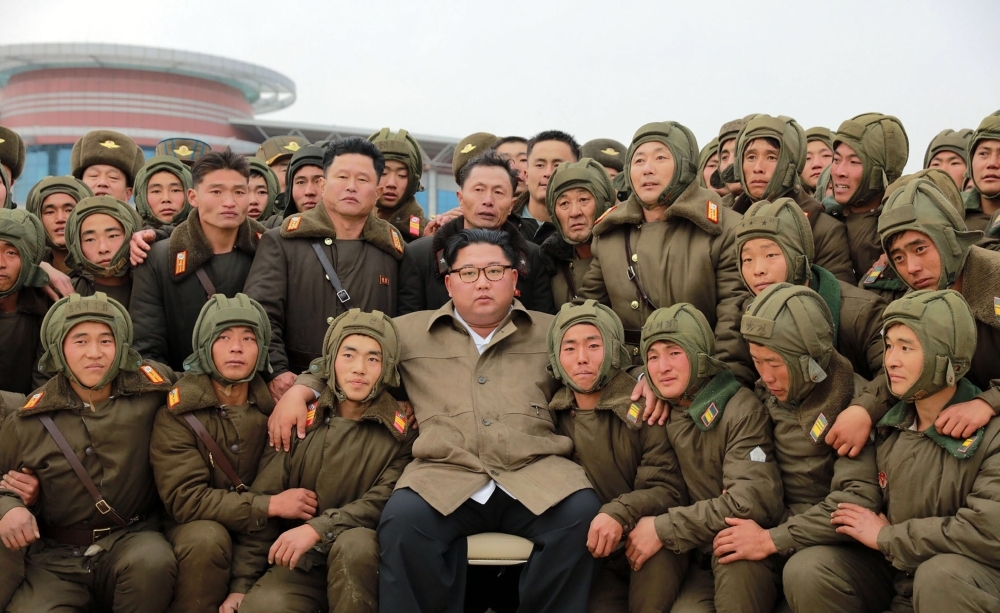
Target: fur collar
x=384, y=410
x=555, y=253
x=316, y=223
x=189, y=238
x=818, y=412
x=194, y=392
x=695, y=204
x=615, y=397
x=981, y=285
x=57, y=394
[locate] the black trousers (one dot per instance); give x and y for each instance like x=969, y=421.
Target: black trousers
x=424, y=553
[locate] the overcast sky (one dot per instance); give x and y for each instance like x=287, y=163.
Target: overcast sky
x=592, y=68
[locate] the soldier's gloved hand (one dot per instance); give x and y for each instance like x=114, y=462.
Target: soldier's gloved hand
x=656, y=411
x=605, y=533
x=59, y=283
x=232, y=603
x=850, y=431
x=296, y=503
x=290, y=546
x=24, y=484
x=290, y=412
x=138, y=248
x=963, y=419
x=18, y=528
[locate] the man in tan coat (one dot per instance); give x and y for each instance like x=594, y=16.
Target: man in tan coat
x=671, y=241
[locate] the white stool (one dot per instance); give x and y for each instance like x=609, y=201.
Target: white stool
x=498, y=549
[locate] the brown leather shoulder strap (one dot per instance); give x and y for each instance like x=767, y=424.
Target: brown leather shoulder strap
x=205, y=281
x=81, y=472
x=632, y=274
x=215, y=452
x=568, y=275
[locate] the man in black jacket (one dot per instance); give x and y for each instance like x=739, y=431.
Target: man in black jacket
x=486, y=196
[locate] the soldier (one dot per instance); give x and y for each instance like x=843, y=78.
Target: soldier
x=400, y=181
x=940, y=517
x=304, y=181
x=206, y=446
x=607, y=152
x=774, y=241
x=52, y=200
x=187, y=150
x=819, y=156
x=771, y=155
x=633, y=468
x=727, y=155
x=708, y=163
x=97, y=238
x=263, y=191
x=86, y=435
x=869, y=153
x=722, y=437
x=983, y=200
x=356, y=445
x=22, y=303
x=108, y=162
x=805, y=384
x=470, y=147
x=12, y=158
x=277, y=151
x=485, y=197
x=209, y=253
x=949, y=151
x=671, y=241
x=577, y=194
x=546, y=150
x=515, y=150
x=161, y=188
x=326, y=260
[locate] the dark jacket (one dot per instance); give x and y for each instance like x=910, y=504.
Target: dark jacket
x=20, y=342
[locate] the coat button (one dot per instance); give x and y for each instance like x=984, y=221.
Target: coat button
x=326, y=420
x=235, y=448
x=635, y=351
x=328, y=241
x=634, y=305
x=481, y=379
x=486, y=422
x=89, y=451
x=329, y=535
x=329, y=320
x=494, y=473
x=572, y=413
x=635, y=257
x=76, y=552
x=222, y=412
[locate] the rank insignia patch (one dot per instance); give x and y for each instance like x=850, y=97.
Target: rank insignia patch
x=33, y=401
x=818, y=427
x=180, y=264
x=709, y=415
x=874, y=274
x=293, y=223
x=151, y=374
x=399, y=423
x=311, y=415
x=633, y=413
x=173, y=398
x=396, y=241
x=414, y=225
x=712, y=212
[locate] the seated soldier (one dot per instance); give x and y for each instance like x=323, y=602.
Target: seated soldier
x=775, y=245
x=206, y=446
x=578, y=194
x=22, y=303
x=86, y=435
x=263, y=190
x=632, y=467
x=356, y=446
x=51, y=200
x=161, y=200
x=804, y=385
x=97, y=237
x=722, y=437
x=940, y=521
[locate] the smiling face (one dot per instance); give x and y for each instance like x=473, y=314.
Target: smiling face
x=581, y=353
x=10, y=265
x=760, y=158
x=165, y=195
x=651, y=170
x=762, y=263
x=916, y=259
x=235, y=352
x=486, y=197
x=846, y=173
x=818, y=157
x=481, y=302
x=90, y=351
x=772, y=369
x=668, y=368
x=575, y=209
x=351, y=189
x=222, y=199
x=101, y=236
x=904, y=358
x=358, y=366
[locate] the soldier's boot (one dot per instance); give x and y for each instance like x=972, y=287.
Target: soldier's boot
x=834, y=578
x=11, y=573
x=746, y=586
x=204, y=551
x=352, y=572
x=137, y=575
x=655, y=587
x=957, y=584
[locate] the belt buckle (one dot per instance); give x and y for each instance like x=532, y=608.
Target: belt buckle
x=103, y=506
x=631, y=273
x=343, y=296
x=242, y=487
x=101, y=533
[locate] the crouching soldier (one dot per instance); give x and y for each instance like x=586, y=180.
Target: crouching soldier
x=940, y=526
x=206, y=446
x=722, y=437
x=805, y=384
x=356, y=446
x=632, y=467
x=86, y=435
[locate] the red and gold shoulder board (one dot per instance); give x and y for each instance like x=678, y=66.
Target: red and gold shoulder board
x=181, y=263
x=605, y=214
x=399, y=423
x=173, y=398
x=712, y=212
x=397, y=242
x=293, y=223
x=414, y=225
x=33, y=401
x=151, y=374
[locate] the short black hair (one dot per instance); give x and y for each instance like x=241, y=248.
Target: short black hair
x=354, y=144
x=558, y=135
x=219, y=160
x=770, y=140
x=488, y=159
x=478, y=236
x=508, y=140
